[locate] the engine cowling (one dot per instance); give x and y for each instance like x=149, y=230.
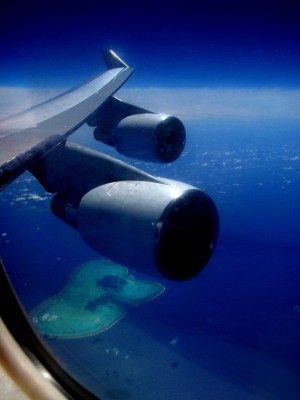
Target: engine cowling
x=148, y=137
x=148, y=226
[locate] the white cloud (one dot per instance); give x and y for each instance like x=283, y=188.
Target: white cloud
x=185, y=103
x=36, y=197
x=15, y=99
x=222, y=102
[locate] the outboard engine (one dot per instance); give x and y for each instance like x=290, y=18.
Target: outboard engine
x=138, y=133
x=148, y=137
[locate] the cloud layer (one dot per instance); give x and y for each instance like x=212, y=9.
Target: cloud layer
x=15, y=99
x=222, y=102
x=184, y=103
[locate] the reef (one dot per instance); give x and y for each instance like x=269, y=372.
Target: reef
x=98, y=294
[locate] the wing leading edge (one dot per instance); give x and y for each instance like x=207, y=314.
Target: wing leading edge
x=27, y=136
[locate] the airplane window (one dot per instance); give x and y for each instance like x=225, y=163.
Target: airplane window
x=159, y=257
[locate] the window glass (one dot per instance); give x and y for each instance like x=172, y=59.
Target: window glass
x=230, y=332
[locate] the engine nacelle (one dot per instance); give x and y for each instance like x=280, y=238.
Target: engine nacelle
x=148, y=226
x=148, y=137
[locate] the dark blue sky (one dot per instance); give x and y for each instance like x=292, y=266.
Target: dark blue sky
x=185, y=44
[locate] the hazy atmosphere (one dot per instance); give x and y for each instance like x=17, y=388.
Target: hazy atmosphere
x=231, y=72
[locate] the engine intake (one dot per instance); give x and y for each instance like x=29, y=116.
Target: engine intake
x=148, y=226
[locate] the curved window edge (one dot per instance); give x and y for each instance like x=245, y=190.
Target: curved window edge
x=24, y=357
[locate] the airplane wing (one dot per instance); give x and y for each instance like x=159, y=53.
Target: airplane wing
x=27, y=136
x=120, y=211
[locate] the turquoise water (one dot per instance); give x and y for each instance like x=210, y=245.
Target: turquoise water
x=98, y=294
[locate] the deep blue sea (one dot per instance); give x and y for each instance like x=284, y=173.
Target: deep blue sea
x=233, y=332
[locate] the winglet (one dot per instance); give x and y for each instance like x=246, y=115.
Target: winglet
x=112, y=60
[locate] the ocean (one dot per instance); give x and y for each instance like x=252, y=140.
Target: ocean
x=231, y=332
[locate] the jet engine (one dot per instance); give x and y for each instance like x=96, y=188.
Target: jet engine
x=136, y=132
x=148, y=137
x=148, y=226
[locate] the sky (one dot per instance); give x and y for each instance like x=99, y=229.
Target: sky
x=215, y=57
x=181, y=43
